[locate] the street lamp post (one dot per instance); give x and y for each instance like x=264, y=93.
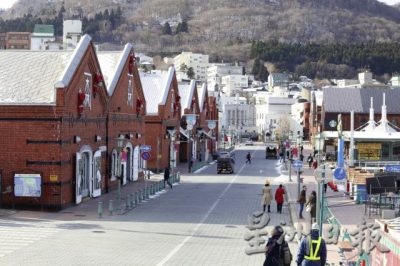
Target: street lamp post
x=290, y=156
x=320, y=182
x=120, y=144
x=299, y=140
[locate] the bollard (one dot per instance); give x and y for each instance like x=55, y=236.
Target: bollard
x=132, y=200
x=153, y=189
x=127, y=203
x=136, y=198
x=100, y=209
x=179, y=177
x=110, y=207
x=141, y=197
x=147, y=192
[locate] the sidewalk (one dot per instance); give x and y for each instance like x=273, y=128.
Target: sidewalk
x=88, y=209
x=346, y=212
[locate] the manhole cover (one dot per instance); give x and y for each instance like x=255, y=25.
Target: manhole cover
x=230, y=226
x=80, y=215
x=98, y=231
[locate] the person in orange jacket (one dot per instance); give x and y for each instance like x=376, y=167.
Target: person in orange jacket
x=279, y=198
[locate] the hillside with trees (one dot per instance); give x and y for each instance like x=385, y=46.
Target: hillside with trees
x=225, y=29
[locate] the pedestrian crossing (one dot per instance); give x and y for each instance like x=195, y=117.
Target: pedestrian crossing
x=15, y=234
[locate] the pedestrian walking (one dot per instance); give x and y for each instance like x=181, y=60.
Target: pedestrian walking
x=267, y=196
x=310, y=160
x=281, y=158
x=248, y=158
x=311, y=206
x=302, y=200
x=166, y=177
x=301, y=149
x=325, y=186
x=277, y=251
x=312, y=249
x=301, y=157
x=279, y=198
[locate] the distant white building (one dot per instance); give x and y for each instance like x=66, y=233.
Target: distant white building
x=42, y=36
x=72, y=32
x=232, y=84
x=237, y=117
x=198, y=62
x=278, y=80
x=271, y=112
x=215, y=72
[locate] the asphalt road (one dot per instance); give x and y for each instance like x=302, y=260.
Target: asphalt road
x=200, y=222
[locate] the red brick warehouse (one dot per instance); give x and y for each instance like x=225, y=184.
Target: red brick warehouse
x=125, y=118
x=163, y=114
x=53, y=127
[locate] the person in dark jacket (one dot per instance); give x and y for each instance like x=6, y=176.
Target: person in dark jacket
x=273, y=248
x=312, y=202
x=302, y=200
x=166, y=177
x=310, y=160
x=312, y=249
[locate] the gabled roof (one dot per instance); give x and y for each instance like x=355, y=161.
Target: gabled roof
x=155, y=88
x=186, y=92
x=112, y=64
x=30, y=77
x=201, y=92
x=344, y=100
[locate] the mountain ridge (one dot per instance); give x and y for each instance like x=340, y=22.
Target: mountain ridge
x=227, y=27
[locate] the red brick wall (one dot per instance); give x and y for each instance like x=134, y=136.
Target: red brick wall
x=123, y=118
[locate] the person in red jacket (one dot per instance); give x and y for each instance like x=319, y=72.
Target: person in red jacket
x=279, y=198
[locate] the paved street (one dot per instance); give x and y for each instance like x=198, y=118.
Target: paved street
x=200, y=222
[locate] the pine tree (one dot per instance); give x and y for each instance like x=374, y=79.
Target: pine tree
x=167, y=29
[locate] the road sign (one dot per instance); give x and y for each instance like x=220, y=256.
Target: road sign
x=145, y=155
x=392, y=168
x=339, y=173
x=298, y=164
x=145, y=147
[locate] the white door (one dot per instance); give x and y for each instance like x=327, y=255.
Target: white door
x=78, y=177
x=123, y=169
x=136, y=163
x=96, y=174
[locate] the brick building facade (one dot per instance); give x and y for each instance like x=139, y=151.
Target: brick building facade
x=51, y=117
x=163, y=116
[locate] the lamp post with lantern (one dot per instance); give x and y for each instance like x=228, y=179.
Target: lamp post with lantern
x=320, y=141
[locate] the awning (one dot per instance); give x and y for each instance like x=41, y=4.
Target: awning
x=184, y=133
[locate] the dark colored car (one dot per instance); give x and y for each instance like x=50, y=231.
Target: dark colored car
x=225, y=165
x=271, y=153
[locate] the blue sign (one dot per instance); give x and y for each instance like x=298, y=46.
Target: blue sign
x=392, y=168
x=145, y=148
x=339, y=173
x=298, y=164
x=145, y=155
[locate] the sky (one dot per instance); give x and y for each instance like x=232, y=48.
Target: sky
x=8, y=3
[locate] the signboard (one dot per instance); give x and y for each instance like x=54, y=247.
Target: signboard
x=53, y=178
x=339, y=173
x=298, y=164
x=191, y=119
x=27, y=185
x=392, y=168
x=145, y=147
x=145, y=155
x=340, y=153
x=369, y=151
x=212, y=124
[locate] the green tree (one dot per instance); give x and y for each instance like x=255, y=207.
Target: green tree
x=183, y=67
x=190, y=73
x=167, y=29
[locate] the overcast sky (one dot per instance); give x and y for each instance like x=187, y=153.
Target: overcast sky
x=8, y=3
